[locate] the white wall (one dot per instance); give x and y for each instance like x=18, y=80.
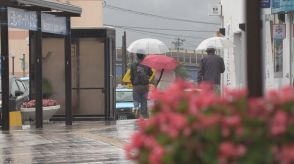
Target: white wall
x=233, y=15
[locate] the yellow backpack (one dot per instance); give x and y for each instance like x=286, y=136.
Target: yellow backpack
x=127, y=77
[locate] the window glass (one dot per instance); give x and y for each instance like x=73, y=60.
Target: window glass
x=14, y=87
x=124, y=96
x=278, y=36
x=21, y=86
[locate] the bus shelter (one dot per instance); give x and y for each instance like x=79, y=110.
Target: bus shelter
x=38, y=17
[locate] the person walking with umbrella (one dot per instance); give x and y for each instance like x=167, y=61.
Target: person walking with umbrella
x=164, y=66
x=140, y=75
x=211, y=68
x=165, y=79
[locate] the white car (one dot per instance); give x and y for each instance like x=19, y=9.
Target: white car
x=18, y=90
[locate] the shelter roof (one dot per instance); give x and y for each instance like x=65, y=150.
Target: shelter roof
x=50, y=6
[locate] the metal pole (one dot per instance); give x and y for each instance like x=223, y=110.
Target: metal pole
x=4, y=67
x=12, y=64
x=38, y=75
x=24, y=64
x=124, y=54
x=68, y=84
x=253, y=49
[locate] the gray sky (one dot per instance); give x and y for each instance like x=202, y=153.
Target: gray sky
x=184, y=9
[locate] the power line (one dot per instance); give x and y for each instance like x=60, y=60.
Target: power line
x=156, y=16
x=148, y=34
x=161, y=29
x=188, y=43
x=166, y=34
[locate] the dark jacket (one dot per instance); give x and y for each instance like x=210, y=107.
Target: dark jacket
x=211, y=68
x=147, y=70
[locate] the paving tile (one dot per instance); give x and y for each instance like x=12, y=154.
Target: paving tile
x=57, y=143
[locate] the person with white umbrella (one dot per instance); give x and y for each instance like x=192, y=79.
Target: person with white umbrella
x=211, y=68
x=149, y=46
x=140, y=75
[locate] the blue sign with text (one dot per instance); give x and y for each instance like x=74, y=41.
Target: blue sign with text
x=265, y=3
x=282, y=6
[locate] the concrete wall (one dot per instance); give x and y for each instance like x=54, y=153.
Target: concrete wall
x=92, y=14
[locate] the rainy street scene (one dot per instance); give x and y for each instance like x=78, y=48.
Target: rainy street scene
x=147, y=82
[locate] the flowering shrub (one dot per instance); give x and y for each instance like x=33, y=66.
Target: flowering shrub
x=189, y=126
x=45, y=102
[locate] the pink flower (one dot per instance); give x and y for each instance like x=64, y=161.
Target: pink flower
x=156, y=155
x=184, y=116
x=281, y=96
x=234, y=94
x=171, y=123
x=259, y=108
x=228, y=150
x=207, y=121
x=45, y=103
x=137, y=142
x=286, y=154
x=206, y=87
x=231, y=121
x=279, y=124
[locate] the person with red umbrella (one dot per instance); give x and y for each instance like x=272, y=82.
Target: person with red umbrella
x=164, y=67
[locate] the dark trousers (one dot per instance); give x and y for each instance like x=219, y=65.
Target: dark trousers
x=140, y=93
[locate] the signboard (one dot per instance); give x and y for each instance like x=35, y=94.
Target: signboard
x=53, y=24
x=214, y=10
x=282, y=6
x=279, y=31
x=265, y=3
x=19, y=18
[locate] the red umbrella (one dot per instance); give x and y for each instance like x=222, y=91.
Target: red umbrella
x=160, y=62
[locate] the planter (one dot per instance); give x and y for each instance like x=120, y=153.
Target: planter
x=28, y=114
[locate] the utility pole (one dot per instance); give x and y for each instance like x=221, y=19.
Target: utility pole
x=253, y=49
x=124, y=54
x=178, y=43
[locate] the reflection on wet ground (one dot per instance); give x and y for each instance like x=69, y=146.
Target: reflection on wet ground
x=84, y=142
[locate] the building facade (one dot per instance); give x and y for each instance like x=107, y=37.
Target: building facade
x=92, y=17
x=233, y=15
x=277, y=42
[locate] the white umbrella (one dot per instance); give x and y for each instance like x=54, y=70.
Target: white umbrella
x=148, y=46
x=215, y=42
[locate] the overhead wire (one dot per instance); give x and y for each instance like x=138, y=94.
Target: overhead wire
x=157, y=16
x=161, y=29
x=166, y=34
x=189, y=42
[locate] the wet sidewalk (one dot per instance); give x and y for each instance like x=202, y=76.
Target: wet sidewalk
x=83, y=142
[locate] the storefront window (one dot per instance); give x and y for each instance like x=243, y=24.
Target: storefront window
x=278, y=35
x=278, y=57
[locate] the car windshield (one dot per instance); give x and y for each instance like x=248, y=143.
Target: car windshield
x=124, y=96
x=26, y=83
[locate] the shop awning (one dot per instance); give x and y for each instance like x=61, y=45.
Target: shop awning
x=45, y=5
